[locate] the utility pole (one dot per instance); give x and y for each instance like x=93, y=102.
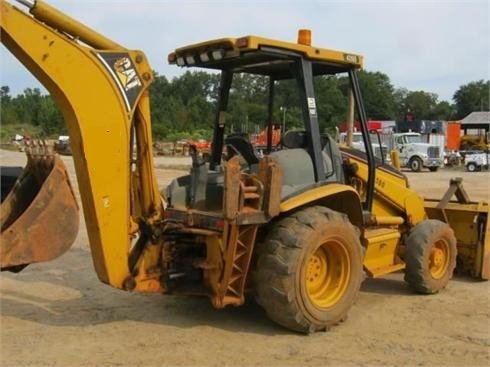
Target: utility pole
x=350, y=118
x=283, y=109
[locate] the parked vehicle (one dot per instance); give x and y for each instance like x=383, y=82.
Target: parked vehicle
x=62, y=145
x=416, y=154
x=380, y=151
x=476, y=161
x=299, y=228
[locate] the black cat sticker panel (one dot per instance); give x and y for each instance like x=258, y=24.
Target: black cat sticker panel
x=124, y=73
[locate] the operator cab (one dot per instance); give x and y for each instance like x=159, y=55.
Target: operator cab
x=308, y=157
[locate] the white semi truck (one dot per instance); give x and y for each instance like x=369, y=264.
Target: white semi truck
x=416, y=154
x=380, y=152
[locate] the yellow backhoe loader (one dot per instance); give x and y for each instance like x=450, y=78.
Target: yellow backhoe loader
x=299, y=227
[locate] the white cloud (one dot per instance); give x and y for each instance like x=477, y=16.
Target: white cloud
x=435, y=46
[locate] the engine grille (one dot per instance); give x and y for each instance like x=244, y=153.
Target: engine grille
x=433, y=152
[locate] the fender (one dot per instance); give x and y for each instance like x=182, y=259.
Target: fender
x=338, y=197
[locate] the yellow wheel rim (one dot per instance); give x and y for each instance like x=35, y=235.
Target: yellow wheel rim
x=327, y=274
x=439, y=259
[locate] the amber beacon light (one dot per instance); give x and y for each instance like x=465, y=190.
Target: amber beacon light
x=304, y=37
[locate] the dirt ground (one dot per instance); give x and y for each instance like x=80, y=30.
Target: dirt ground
x=60, y=314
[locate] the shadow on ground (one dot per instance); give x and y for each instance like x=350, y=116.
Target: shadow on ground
x=67, y=292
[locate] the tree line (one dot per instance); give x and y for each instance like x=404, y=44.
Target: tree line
x=185, y=107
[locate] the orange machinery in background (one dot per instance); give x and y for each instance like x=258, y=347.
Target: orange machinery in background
x=453, y=135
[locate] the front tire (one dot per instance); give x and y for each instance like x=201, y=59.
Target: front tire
x=309, y=270
x=471, y=167
x=433, y=169
x=415, y=164
x=430, y=256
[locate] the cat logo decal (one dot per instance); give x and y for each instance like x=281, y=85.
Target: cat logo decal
x=124, y=74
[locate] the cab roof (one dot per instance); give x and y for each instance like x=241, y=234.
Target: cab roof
x=263, y=56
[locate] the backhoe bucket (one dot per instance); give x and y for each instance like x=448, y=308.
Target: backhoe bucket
x=39, y=218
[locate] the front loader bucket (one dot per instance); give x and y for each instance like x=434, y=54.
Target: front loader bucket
x=39, y=218
x=471, y=224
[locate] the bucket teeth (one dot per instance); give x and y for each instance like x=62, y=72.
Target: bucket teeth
x=40, y=157
x=39, y=148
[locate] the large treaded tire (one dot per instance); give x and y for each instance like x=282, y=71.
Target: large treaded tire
x=430, y=256
x=286, y=269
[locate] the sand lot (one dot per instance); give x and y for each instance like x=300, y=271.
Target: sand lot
x=60, y=314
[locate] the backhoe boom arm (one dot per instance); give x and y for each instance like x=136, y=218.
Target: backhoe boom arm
x=102, y=91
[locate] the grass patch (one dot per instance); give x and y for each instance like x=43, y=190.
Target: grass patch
x=8, y=131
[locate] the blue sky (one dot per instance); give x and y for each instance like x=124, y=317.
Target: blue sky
x=435, y=46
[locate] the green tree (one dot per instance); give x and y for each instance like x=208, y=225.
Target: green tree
x=421, y=104
x=399, y=98
x=377, y=92
x=471, y=97
x=183, y=104
x=443, y=111
x=331, y=102
x=8, y=114
x=186, y=105
x=248, y=102
x=50, y=118
x=28, y=105
x=192, y=84
x=159, y=94
x=200, y=113
x=287, y=107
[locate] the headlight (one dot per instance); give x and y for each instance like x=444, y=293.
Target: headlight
x=180, y=61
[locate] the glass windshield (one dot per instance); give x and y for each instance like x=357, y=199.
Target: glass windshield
x=356, y=138
x=413, y=139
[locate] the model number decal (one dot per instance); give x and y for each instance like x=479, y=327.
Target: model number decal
x=379, y=182
x=312, y=106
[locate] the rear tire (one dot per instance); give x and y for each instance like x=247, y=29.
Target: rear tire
x=309, y=270
x=430, y=256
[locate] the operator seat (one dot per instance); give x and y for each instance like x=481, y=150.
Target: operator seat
x=239, y=145
x=296, y=163
x=332, y=158
x=294, y=139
